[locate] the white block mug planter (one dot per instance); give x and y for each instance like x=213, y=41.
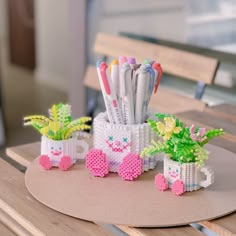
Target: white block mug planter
x=61, y=153
x=117, y=149
x=183, y=177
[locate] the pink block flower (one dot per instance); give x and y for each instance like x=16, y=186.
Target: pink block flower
x=199, y=135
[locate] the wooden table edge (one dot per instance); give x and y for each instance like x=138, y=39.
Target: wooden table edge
x=12, y=153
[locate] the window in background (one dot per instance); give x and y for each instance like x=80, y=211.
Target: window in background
x=211, y=24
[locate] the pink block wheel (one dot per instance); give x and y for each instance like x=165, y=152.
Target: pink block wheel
x=65, y=163
x=45, y=162
x=131, y=167
x=178, y=187
x=161, y=182
x=97, y=163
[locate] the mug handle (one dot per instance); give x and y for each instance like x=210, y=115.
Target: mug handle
x=85, y=146
x=209, y=177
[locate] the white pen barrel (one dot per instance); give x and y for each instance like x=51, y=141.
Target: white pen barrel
x=129, y=100
x=109, y=113
x=141, y=98
x=126, y=94
x=113, y=103
x=115, y=78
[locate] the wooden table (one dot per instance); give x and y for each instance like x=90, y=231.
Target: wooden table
x=24, y=215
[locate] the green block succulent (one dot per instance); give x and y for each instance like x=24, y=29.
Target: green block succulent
x=181, y=143
x=59, y=125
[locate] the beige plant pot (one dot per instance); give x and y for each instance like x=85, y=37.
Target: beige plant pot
x=193, y=177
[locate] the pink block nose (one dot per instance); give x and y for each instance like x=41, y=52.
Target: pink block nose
x=117, y=143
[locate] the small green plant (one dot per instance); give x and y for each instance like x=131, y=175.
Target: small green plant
x=59, y=125
x=181, y=144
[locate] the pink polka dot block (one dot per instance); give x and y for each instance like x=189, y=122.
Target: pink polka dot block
x=45, y=162
x=97, y=163
x=65, y=163
x=161, y=182
x=131, y=167
x=178, y=187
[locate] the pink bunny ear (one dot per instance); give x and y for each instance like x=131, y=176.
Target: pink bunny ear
x=202, y=131
x=192, y=129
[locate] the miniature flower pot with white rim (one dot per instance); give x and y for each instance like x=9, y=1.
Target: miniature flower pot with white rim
x=61, y=153
x=183, y=177
x=117, y=148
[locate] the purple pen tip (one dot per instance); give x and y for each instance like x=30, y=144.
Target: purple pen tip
x=122, y=59
x=131, y=60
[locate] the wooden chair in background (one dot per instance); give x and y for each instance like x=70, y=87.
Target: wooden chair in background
x=189, y=66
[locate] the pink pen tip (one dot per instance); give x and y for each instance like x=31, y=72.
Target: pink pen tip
x=103, y=68
x=131, y=60
x=156, y=66
x=122, y=59
x=103, y=65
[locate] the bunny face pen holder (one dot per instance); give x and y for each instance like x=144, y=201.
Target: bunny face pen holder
x=117, y=148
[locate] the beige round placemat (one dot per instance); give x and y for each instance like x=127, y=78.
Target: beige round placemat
x=110, y=200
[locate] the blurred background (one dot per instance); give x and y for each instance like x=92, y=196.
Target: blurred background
x=46, y=45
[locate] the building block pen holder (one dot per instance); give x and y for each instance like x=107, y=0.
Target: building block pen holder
x=116, y=148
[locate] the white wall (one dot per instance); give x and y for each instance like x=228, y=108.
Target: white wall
x=3, y=19
x=77, y=54
x=60, y=34
x=52, y=42
x=164, y=19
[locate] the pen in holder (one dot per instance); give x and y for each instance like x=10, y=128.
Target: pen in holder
x=117, y=148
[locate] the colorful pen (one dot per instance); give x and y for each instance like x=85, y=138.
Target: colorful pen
x=142, y=94
x=115, y=77
x=151, y=80
x=126, y=94
x=127, y=88
x=111, y=103
x=109, y=113
x=158, y=74
x=122, y=59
